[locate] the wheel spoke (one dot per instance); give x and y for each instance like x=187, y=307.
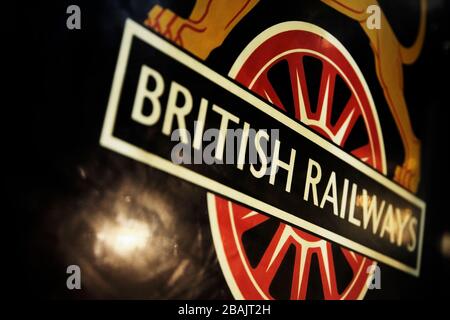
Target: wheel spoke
x=364, y=153
x=301, y=272
x=272, y=257
x=264, y=88
x=353, y=259
x=327, y=271
x=299, y=87
x=248, y=219
x=346, y=121
x=326, y=93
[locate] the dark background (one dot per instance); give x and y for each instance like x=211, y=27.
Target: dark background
x=63, y=80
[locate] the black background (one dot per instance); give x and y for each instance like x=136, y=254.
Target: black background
x=63, y=78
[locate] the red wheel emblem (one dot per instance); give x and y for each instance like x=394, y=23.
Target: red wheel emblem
x=307, y=73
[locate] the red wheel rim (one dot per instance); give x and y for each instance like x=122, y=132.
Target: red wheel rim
x=290, y=43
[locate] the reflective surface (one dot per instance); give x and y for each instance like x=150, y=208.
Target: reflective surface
x=138, y=233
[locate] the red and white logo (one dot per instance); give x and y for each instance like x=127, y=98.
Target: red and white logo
x=261, y=257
